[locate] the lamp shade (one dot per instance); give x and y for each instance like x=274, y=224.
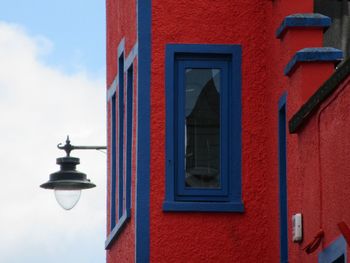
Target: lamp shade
x=68, y=178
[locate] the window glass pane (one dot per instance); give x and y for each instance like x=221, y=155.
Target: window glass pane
x=341, y=259
x=202, y=127
x=337, y=35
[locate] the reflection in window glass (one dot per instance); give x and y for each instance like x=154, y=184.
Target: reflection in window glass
x=341, y=259
x=202, y=127
x=338, y=34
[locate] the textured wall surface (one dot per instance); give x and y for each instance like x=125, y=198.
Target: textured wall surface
x=318, y=186
x=252, y=236
x=121, y=23
x=220, y=237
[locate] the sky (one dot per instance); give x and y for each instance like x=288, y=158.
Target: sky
x=52, y=83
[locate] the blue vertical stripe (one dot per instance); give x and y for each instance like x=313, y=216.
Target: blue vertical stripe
x=143, y=135
x=282, y=158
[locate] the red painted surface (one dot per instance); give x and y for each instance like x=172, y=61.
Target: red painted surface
x=219, y=237
x=307, y=79
x=317, y=155
x=345, y=231
x=298, y=38
x=318, y=182
x=121, y=23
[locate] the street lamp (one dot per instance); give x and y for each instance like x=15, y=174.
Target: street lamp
x=67, y=183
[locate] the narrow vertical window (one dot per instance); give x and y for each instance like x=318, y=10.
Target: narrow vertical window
x=282, y=164
x=129, y=115
x=121, y=135
x=203, y=128
x=121, y=146
x=113, y=161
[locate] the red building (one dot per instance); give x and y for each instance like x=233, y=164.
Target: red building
x=225, y=120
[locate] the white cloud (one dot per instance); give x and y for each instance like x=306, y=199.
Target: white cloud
x=39, y=106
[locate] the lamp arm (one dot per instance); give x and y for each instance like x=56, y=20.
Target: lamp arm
x=68, y=147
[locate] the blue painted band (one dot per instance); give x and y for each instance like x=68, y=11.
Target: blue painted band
x=335, y=250
x=121, y=47
x=112, y=88
x=202, y=207
x=282, y=101
x=142, y=231
x=282, y=174
x=303, y=20
x=130, y=58
x=117, y=229
x=321, y=54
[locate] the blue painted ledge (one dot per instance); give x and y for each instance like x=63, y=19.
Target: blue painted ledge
x=320, y=54
x=176, y=206
x=303, y=20
x=117, y=229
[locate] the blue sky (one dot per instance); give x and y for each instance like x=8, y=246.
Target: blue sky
x=52, y=83
x=76, y=29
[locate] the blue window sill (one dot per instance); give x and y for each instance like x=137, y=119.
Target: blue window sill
x=203, y=207
x=113, y=235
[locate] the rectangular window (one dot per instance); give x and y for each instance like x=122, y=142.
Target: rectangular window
x=337, y=35
x=203, y=128
x=121, y=136
x=129, y=116
x=113, y=161
x=121, y=151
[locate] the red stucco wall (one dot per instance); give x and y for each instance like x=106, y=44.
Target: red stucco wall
x=121, y=23
x=252, y=236
x=232, y=237
x=318, y=182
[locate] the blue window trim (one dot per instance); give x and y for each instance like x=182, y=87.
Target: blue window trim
x=113, y=206
x=121, y=137
x=231, y=202
x=282, y=164
x=129, y=137
x=123, y=214
x=183, y=193
x=335, y=250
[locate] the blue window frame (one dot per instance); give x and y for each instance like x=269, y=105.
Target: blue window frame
x=336, y=252
x=121, y=136
x=203, y=128
x=119, y=217
x=282, y=164
x=129, y=116
x=113, y=207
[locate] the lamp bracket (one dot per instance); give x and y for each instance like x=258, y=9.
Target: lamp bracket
x=69, y=147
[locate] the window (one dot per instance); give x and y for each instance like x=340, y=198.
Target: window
x=337, y=35
x=129, y=116
x=121, y=136
x=203, y=128
x=335, y=252
x=113, y=161
x=121, y=149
